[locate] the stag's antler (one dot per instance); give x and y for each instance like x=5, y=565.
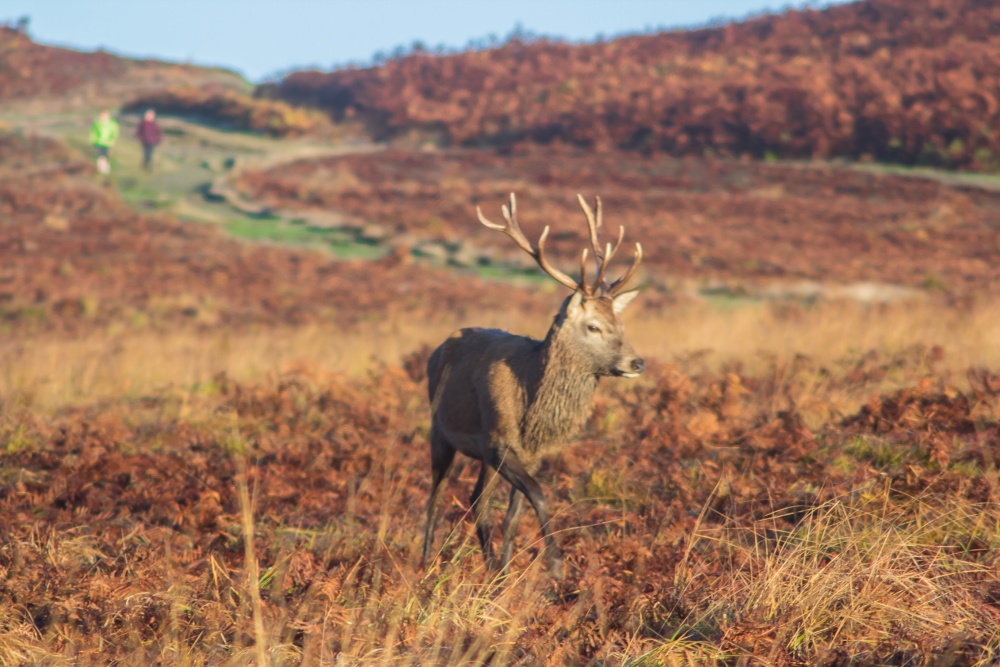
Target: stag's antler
x=513, y=230
x=602, y=257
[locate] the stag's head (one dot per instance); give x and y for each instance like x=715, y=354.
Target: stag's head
x=588, y=323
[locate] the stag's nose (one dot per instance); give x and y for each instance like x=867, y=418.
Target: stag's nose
x=638, y=365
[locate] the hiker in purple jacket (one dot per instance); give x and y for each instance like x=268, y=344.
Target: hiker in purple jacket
x=149, y=136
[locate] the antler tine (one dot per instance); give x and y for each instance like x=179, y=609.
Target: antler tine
x=587, y=289
x=510, y=212
x=608, y=255
x=492, y=225
x=621, y=236
x=602, y=256
x=553, y=271
x=602, y=266
x=513, y=230
x=617, y=285
x=594, y=226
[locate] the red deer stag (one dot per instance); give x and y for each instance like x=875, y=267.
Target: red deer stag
x=509, y=400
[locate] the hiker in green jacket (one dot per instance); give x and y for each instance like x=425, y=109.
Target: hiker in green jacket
x=103, y=134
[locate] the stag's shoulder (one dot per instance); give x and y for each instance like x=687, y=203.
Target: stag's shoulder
x=478, y=349
x=477, y=355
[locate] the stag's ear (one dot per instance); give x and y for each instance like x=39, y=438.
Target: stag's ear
x=623, y=299
x=574, y=305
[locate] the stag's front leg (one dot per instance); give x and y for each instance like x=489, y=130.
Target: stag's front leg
x=511, y=469
x=512, y=519
x=480, y=503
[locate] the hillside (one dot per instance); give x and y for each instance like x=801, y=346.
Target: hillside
x=908, y=81
x=698, y=219
x=52, y=78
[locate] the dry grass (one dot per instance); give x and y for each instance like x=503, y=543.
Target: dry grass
x=123, y=361
x=841, y=580
x=856, y=570
x=826, y=332
x=701, y=524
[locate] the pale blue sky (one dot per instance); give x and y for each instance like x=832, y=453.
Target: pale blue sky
x=261, y=37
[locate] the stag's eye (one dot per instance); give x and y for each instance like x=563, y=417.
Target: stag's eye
x=593, y=329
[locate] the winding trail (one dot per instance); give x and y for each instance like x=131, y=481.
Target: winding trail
x=194, y=167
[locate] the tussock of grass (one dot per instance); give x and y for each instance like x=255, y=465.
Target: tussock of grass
x=859, y=575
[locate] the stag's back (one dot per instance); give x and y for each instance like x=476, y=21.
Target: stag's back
x=478, y=381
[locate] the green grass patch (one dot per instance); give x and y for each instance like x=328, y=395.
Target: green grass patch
x=501, y=272
x=263, y=229
x=876, y=451
x=282, y=231
x=349, y=249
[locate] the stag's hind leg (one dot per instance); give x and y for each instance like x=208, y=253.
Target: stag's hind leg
x=442, y=456
x=480, y=502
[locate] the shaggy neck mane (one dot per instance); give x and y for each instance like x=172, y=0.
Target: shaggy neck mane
x=561, y=398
